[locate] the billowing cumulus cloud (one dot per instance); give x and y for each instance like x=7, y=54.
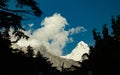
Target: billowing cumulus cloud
x=52, y=34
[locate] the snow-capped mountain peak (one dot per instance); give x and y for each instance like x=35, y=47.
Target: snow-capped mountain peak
x=68, y=60
x=78, y=51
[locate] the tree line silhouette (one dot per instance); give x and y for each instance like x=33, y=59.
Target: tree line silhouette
x=104, y=57
x=15, y=60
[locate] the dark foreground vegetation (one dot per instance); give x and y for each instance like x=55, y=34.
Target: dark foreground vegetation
x=104, y=57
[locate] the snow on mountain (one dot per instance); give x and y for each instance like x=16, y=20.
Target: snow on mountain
x=56, y=61
x=68, y=60
x=78, y=51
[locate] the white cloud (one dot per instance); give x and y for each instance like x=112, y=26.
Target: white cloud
x=71, y=39
x=31, y=25
x=52, y=34
x=77, y=30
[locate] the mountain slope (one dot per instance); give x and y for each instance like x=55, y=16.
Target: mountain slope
x=57, y=61
x=78, y=51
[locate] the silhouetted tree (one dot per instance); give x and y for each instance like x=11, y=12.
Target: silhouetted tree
x=116, y=28
x=96, y=35
x=12, y=18
x=44, y=65
x=105, y=32
x=30, y=51
x=104, y=57
x=32, y=4
x=15, y=59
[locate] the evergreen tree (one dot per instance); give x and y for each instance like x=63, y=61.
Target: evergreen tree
x=96, y=34
x=104, y=57
x=12, y=18
x=30, y=51
x=116, y=28
x=44, y=65
x=105, y=32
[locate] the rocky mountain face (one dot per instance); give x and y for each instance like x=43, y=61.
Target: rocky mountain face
x=62, y=61
x=57, y=61
x=78, y=52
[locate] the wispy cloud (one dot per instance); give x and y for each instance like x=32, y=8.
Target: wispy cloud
x=31, y=25
x=52, y=34
x=77, y=30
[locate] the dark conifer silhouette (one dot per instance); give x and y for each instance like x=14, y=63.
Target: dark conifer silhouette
x=44, y=64
x=116, y=28
x=32, y=4
x=104, y=57
x=30, y=51
x=12, y=18
x=105, y=32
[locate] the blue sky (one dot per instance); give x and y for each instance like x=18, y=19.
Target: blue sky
x=88, y=13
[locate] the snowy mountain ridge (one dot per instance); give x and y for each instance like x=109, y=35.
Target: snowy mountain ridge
x=78, y=51
x=56, y=61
